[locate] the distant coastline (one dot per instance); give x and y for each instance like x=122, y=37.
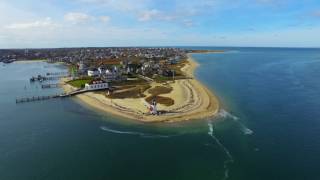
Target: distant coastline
x=206, y=51
x=192, y=100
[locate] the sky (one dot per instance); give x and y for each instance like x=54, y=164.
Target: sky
x=105, y=23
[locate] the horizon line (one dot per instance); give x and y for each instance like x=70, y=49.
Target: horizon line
x=179, y=46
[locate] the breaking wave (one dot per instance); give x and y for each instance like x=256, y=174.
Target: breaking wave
x=144, y=135
x=246, y=130
x=224, y=114
x=229, y=159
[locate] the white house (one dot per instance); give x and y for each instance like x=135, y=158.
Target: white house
x=93, y=72
x=96, y=85
x=110, y=76
x=101, y=70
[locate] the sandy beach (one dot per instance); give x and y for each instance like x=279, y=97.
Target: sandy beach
x=192, y=100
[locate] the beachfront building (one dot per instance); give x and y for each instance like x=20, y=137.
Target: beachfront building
x=110, y=76
x=96, y=85
x=101, y=70
x=93, y=72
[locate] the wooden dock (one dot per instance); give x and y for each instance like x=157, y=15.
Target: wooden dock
x=46, y=86
x=42, y=98
x=35, y=98
x=46, y=78
x=57, y=73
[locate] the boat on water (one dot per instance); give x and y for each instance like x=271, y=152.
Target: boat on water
x=7, y=61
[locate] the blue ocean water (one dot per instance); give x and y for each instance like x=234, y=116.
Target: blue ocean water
x=275, y=94
x=268, y=126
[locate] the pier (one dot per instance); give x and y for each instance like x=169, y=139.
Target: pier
x=46, y=86
x=42, y=98
x=57, y=73
x=35, y=98
x=45, y=78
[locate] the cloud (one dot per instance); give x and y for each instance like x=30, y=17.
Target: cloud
x=155, y=14
x=104, y=19
x=45, y=23
x=78, y=18
x=178, y=18
x=149, y=10
x=148, y=15
x=122, y=5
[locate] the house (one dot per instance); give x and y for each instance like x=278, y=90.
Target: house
x=101, y=70
x=93, y=72
x=110, y=76
x=96, y=85
x=168, y=73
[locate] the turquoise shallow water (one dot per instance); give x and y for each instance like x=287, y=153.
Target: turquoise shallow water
x=268, y=127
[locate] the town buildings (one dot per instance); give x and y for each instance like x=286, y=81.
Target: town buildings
x=96, y=85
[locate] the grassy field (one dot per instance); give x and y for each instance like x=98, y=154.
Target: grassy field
x=156, y=91
x=161, y=100
x=130, y=92
x=160, y=90
x=79, y=83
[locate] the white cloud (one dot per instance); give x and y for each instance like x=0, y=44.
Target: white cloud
x=122, y=5
x=175, y=17
x=105, y=19
x=78, y=18
x=148, y=15
x=45, y=23
x=155, y=14
x=145, y=10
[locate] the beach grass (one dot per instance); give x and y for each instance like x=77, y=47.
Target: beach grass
x=131, y=92
x=160, y=90
x=161, y=100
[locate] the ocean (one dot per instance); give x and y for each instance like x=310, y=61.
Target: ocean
x=268, y=126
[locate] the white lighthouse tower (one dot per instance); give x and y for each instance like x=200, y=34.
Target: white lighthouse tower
x=153, y=107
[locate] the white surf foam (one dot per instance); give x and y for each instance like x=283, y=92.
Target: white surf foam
x=229, y=159
x=225, y=114
x=144, y=135
x=247, y=131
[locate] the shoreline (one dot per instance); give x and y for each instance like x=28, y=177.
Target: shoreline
x=193, y=100
x=38, y=60
x=30, y=61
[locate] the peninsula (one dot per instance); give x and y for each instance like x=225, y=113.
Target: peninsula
x=145, y=84
x=177, y=100
x=151, y=90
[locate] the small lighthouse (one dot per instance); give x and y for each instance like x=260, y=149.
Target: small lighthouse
x=153, y=107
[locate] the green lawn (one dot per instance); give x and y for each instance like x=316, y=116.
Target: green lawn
x=79, y=83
